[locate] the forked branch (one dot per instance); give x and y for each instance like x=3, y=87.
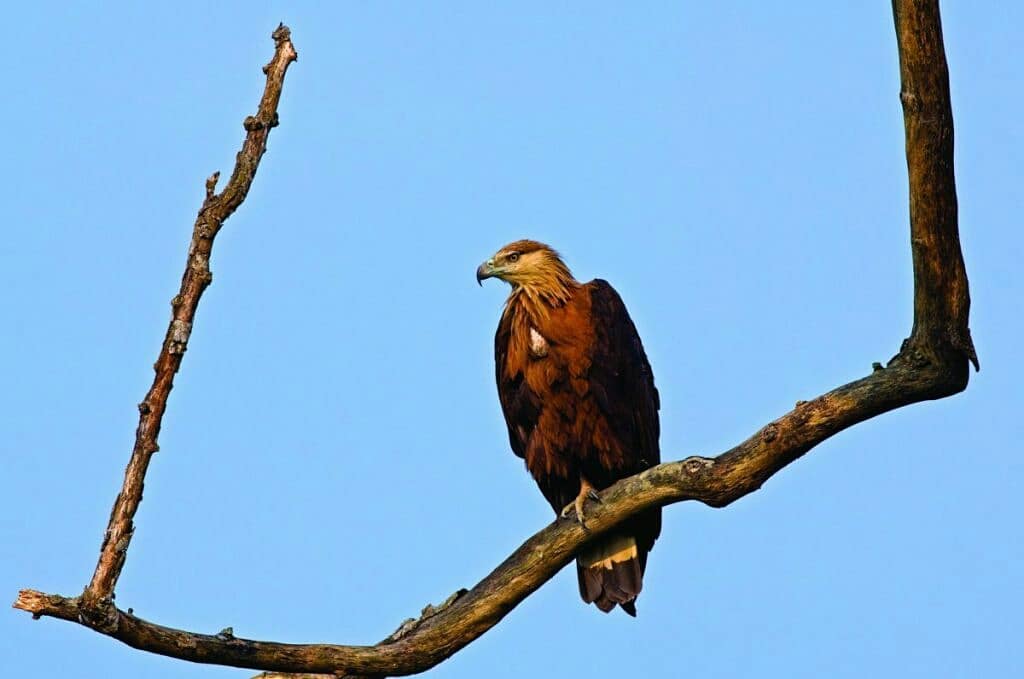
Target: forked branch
x=932, y=363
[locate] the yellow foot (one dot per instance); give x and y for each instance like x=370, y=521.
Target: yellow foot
x=587, y=492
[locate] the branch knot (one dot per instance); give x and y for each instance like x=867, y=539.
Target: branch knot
x=254, y=124
x=179, y=333
x=696, y=464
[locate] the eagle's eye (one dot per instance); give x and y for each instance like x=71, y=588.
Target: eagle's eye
x=513, y=257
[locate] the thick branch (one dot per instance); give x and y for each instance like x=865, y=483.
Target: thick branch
x=941, y=297
x=931, y=364
x=215, y=210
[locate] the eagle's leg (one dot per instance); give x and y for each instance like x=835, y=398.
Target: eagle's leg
x=587, y=491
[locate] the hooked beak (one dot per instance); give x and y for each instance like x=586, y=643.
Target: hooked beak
x=485, y=270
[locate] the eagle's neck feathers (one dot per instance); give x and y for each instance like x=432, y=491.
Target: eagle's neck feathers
x=543, y=289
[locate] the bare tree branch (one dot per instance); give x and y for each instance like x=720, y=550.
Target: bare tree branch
x=932, y=363
x=941, y=297
x=96, y=601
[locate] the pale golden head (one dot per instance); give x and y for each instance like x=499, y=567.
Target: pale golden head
x=526, y=263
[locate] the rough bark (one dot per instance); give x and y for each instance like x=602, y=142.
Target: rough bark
x=932, y=363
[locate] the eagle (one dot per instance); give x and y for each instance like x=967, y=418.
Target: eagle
x=580, y=403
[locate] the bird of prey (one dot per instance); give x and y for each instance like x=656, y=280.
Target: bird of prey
x=579, y=400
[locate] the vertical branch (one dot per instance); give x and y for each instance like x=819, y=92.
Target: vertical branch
x=941, y=298
x=215, y=210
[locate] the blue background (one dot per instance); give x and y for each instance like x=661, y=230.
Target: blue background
x=334, y=457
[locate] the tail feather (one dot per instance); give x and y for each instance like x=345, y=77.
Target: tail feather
x=611, y=573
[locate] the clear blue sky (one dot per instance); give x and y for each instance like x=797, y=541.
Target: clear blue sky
x=334, y=457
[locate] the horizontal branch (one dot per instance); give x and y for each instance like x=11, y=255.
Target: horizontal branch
x=717, y=482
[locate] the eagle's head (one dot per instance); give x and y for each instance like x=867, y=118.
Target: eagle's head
x=531, y=268
x=525, y=263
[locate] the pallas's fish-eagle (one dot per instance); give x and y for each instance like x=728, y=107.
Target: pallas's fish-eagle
x=580, y=403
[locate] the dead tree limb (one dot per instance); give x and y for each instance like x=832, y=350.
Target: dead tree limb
x=96, y=602
x=932, y=363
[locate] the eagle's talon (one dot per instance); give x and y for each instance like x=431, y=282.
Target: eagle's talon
x=587, y=492
x=576, y=517
x=573, y=510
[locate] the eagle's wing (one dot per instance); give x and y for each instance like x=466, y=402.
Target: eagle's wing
x=611, y=569
x=518, y=403
x=622, y=383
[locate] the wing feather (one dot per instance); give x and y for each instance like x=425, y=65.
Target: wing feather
x=621, y=379
x=517, y=402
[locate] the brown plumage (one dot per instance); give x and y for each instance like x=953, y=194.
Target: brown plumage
x=580, y=404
